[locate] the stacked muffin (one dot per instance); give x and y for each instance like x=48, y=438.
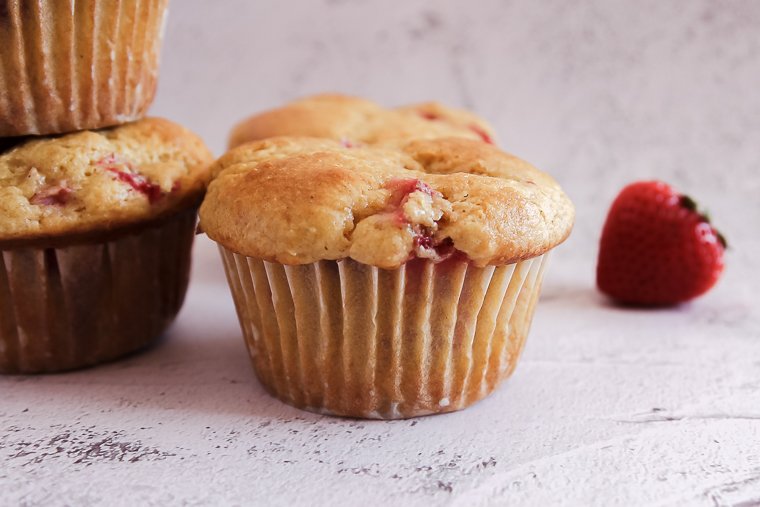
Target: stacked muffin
x=97, y=204
x=385, y=263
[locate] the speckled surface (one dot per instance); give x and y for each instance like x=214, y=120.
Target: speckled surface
x=608, y=406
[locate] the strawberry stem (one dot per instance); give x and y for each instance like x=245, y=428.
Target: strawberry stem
x=722, y=240
x=688, y=203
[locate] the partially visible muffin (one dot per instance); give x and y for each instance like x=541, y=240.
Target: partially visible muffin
x=388, y=281
x=77, y=65
x=95, y=235
x=353, y=120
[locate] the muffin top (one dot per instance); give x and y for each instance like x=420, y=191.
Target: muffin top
x=300, y=200
x=356, y=121
x=99, y=180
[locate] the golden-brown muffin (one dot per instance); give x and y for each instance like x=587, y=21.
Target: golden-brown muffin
x=99, y=180
x=73, y=65
x=301, y=200
x=96, y=229
x=383, y=282
x=356, y=121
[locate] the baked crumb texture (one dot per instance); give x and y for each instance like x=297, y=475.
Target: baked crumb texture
x=300, y=200
x=94, y=180
x=356, y=121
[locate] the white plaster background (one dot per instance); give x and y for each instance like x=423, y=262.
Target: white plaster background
x=608, y=406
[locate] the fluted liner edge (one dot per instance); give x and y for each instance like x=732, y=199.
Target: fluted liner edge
x=79, y=305
x=344, y=338
x=69, y=65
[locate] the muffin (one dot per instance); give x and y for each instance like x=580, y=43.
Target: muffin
x=95, y=235
x=357, y=121
x=77, y=65
x=383, y=282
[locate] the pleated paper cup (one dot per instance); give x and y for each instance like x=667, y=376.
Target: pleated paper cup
x=78, y=303
x=347, y=339
x=72, y=65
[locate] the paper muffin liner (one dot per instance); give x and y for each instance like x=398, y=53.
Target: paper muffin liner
x=77, y=65
x=344, y=338
x=77, y=305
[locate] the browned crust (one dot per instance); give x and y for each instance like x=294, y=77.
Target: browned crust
x=300, y=200
x=359, y=121
x=172, y=159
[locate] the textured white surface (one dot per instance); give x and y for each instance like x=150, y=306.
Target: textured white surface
x=608, y=406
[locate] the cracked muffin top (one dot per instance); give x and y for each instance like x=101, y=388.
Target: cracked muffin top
x=358, y=121
x=300, y=200
x=92, y=180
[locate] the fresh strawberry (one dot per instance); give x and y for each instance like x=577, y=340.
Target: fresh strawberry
x=657, y=248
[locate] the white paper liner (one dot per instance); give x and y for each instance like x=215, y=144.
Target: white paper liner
x=73, y=306
x=344, y=338
x=77, y=65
